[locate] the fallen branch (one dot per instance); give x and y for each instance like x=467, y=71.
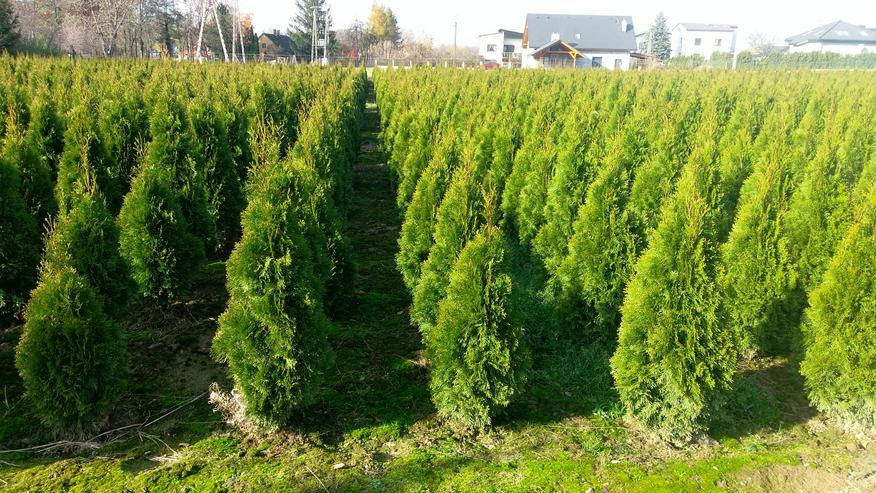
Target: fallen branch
x=115, y=434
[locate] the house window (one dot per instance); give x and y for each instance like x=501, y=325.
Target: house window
x=491, y=48
x=618, y=64
x=509, y=48
x=718, y=42
x=698, y=41
x=597, y=62
x=264, y=46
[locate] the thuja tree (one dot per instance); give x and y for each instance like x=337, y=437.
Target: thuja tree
x=820, y=209
x=603, y=249
x=674, y=356
x=124, y=130
x=420, y=216
x=457, y=220
x=155, y=238
x=839, y=362
x=72, y=356
x=84, y=162
x=210, y=140
x=35, y=175
x=273, y=333
x=477, y=354
x=171, y=152
x=86, y=239
x=45, y=132
x=415, y=159
x=19, y=244
x=573, y=172
x=759, y=275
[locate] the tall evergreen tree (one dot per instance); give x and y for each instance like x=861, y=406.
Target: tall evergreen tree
x=458, y=218
x=272, y=334
x=477, y=353
x=171, y=152
x=72, y=356
x=19, y=244
x=8, y=27
x=659, y=39
x=839, y=362
x=86, y=238
x=301, y=28
x=418, y=226
x=210, y=140
x=759, y=275
x=674, y=356
x=155, y=238
x=85, y=164
x=36, y=180
x=45, y=132
x=604, y=247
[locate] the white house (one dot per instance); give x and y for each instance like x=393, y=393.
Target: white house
x=690, y=38
x=502, y=47
x=836, y=37
x=579, y=41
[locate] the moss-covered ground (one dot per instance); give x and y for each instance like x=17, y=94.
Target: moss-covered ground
x=374, y=427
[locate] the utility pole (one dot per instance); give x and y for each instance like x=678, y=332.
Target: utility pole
x=326, y=40
x=454, y=43
x=212, y=5
x=314, y=36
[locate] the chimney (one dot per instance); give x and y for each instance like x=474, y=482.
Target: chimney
x=624, y=25
x=276, y=32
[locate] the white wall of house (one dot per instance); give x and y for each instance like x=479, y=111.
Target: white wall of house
x=610, y=60
x=827, y=47
x=703, y=43
x=492, y=47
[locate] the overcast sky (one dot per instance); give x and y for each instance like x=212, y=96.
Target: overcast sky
x=778, y=19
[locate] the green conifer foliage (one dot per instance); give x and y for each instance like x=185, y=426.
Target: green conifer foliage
x=210, y=139
x=458, y=218
x=420, y=216
x=572, y=174
x=45, y=133
x=85, y=164
x=19, y=244
x=273, y=333
x=759, y=275
x=476, y=351
x=172, y=153
x=71, y=356
x=839, y=363
x=36, y=180
x=123, y=127
x=604, y=247
x=820, y=209
x=86, y=238
x=674, y=356
x=155, y=239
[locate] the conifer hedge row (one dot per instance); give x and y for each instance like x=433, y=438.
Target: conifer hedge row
x=136, y=172
x=293, y=264
x=688, y=220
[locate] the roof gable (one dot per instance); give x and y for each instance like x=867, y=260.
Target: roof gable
x=835, y=32
x=583, y=32
x=280, y=40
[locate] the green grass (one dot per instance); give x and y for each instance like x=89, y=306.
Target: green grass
x=374, y=426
